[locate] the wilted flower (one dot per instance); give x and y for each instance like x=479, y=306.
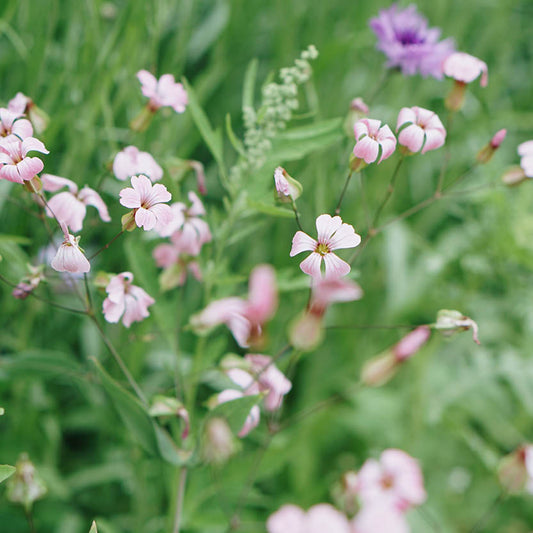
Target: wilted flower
x=131, y=162
x=147, y=202
x=318, y=519
x=372, y=141
x=404, y=37
x=450, y=321
x=333, y=234
x=125, y=300
x=395, y=480
x=163, y=92
x=15, y=165
x=244, y=318
x=71, y=207
x=69, y=257
x=420, y=129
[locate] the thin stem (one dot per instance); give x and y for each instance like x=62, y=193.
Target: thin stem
x=106, y=246
x=179, y=499
x=296, y=215
x=119, y=361
x=364, y=200
x=380, y=85
x=45, y=300
x=489, y=512
x=390, y=191
x=29, y=518
x=346, y=183
x=88, y=292
x=462, y=176
x=447, y=155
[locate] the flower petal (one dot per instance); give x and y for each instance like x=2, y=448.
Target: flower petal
x=311, y=265
x=335, y=266
x=326, y=226
x=301, y=242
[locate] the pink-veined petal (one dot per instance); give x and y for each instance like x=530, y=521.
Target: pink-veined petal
x=130, y=198
x=29, y=167
x=406, y=114
x=335, y=266
x=412, y=137
x=366, y=149
x=326, y=226
x=53, y=183
x=31, y=144
x=90, y=197
x=434, y=139
x=301, y=242
x=344, y=237
x=148, y=82
x=311, y=265
x=144, y=218
x=10, y=173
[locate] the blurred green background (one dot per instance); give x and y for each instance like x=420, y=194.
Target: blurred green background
x=456, y=406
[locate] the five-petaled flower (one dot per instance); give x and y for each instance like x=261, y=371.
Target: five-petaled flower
x=69, y=257
x=373, y=141
x=163, y=92
x=131, y=162
x=70, y=206
x=15, y=165
x=147, y=202
x=333, y=234
x=125, y=300
x=420, y=129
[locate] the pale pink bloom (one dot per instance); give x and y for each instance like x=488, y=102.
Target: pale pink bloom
x=326, y=291
x=163, y=92
x=15, y=164
x=18, y=104
x=69, y=257
x=125, y=300
x=131, y=162
x=186, y=228
x=22, y=104
x=395, y=480
x=270, y=379
x=371, y=139
x=358, y=104
x=12, y=125
x=244, y=318
x=465, y=68
x=422, y=129
x=147, y=201
x=411, y=343
x=525, y=150
x=252, y=420
x=320, y=518
x=71, y=207
x=333, y=234
x=379, y=517
x=171, y=258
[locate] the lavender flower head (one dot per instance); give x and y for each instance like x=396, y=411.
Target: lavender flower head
x=404, y=37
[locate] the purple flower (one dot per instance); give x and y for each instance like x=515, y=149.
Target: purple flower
x=404, y=37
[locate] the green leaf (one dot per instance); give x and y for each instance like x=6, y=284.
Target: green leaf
x=6, y=471
x=131, y=411
x=270, y=209
x=249, y=84
x=236, y=143
x=212, y=138
x=236, y=411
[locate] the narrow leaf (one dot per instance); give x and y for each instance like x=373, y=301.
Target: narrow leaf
x=236, y=411
x=249, y=84
x=6, y=471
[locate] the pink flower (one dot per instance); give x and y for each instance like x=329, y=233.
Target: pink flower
x=163, y=92
x=130, y=162
x=125, y=300
x=326, y=291
x=69, y=257
x=396, y=480
x=21, y=104
x=358, y=104
x=411, y=343
x=525, y=150
x=270, y=379
x=15, y=164
x=186, y=227
x=320, y=518
x=252, y=420
x=420, y=129
x=147, y=202
x=70, y=207
x=12, y=125
x=372, y=139
x=18, y=104
x=465, y=68
x=333, y=234
x=379, y=517
x=176, y=263
x=287, y=188
x=244, y=318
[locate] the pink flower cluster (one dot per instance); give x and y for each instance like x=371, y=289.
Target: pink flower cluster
x=244, y=317
x=386, y=489
x=255, y=375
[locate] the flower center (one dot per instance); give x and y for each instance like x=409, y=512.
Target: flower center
x=387, y=481
x=408, y=36
x=322, y=248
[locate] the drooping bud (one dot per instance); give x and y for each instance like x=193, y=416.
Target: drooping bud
x=287, y=188
x=26, y=485
x=450, y=321
x=486, y=153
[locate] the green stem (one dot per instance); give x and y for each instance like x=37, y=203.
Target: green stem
x=296, y=215
x=343, y=192
x=179, y=499
x=390, y=191
x=106, y=246
x=489, y=512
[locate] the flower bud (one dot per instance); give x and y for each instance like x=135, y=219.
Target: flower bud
x=26, y=485
x=93, y=528
x=128, y=221
x=514, y=471
x=486, y=153
x=456, y=97
x=287, y=188
x=306, y=332
x=358, y=110
x=411, y=343
x=219, y=444
x=514, y=176
x=380, y=369
x=38, y=117
x=450, y=321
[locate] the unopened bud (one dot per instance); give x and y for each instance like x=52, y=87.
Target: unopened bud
x=219, y=444
x=26, y=485
x=450, y=321
x=287, y=188
x=358, y=110
x=380, y=369
x=514, y=471
x=128, y=221
x=514, y=176
x=93, y=528
x=411, y=343
x=456, y=97
x=306, y=332
x=356, y=163
x=38, y=117
x=34, y=185
x=486, y=153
